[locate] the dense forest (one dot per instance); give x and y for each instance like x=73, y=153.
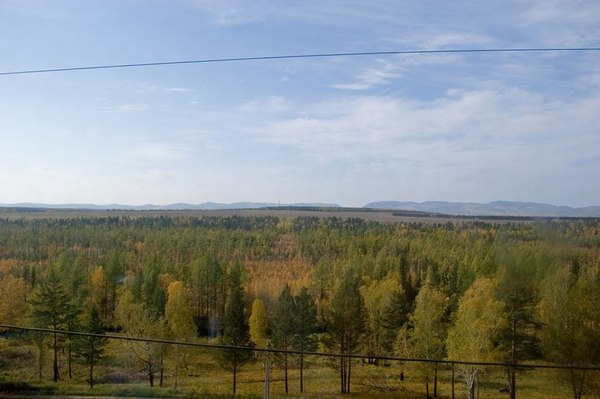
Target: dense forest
x=509, y=292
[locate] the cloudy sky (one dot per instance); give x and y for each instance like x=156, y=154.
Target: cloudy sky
x=346, y=130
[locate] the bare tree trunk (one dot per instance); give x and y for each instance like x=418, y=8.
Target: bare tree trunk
x=234, y=376
x=285, y=363
x=55, y=363
x=150, y=372
x=349, y=373
x=301, y=373
x=435, y=380
x=92, y=366
x=69, y=361
x=162, y=371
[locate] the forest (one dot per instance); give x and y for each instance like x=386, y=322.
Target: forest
x=508, y=292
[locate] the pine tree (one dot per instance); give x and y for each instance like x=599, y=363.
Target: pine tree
x=236, y=332
x=91, y=349
x=50, y=308
x=304, y=322
x=283, y=326
x=518, y=338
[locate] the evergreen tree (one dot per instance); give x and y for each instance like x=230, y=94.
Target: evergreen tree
x=304, y=322
x=236, y=332
x=518, y=338
x=91, y=349
x=50, y=308
x=283, y=326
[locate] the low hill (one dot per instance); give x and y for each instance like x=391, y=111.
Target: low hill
x=495, y=208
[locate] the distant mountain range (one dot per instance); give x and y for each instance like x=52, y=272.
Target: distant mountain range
x=179, y=206
x=496, y=208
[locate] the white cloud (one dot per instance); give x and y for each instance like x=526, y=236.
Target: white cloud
x=372, y=77
x=272, y=104
x=516, y=129
x=157, y=152
x=126, y=108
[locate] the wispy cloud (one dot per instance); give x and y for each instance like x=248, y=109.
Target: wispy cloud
x=470, y=123
x=126, y=108
x=371, y=77
x=158, y=152
x=272, y=104
x=178, y=89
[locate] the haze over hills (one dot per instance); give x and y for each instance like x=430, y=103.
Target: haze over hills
x=495, y=208
x=176, y=206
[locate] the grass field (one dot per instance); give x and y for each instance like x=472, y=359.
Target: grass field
x=120, y=374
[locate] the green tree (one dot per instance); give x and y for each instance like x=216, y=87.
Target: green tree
x=569, y=310
x=134, y=318
x=50, y=308
x=283, y=326
x=475, y=332
x=236, y=332
x=347, y=324
x=429, y=331
x=305, y=323
x=90, y=348
x=380, y=297
x=519, y=337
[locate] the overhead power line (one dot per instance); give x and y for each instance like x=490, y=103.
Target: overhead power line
x=295, y=352
x=295, y=56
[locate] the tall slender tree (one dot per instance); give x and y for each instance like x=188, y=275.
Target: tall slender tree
x=475, y=333
x=89, y=348
x=304, y=322
x=283, y=326
x=429, y=331
x=180, y=320
x=50, y=307
x=236, y=332
x=519, y=336
x=347, y=324
x=569, y=310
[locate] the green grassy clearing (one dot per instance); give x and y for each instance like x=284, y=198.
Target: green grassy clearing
x=121, y=374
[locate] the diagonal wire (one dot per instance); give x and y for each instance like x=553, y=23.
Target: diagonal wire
x=296, y=56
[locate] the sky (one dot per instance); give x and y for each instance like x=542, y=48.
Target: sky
x=465, y=127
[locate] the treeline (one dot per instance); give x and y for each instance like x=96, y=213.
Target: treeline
x=472, y=291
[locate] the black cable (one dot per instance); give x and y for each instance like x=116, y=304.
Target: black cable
x=293, y=56
x=295, y=352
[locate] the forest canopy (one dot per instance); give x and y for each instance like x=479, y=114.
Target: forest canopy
x=464, y=290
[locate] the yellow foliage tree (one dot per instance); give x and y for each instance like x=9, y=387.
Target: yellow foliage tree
x=258, y=324
x=473, y=337
x=179, y=315
x=99, y=290
x=13, y=303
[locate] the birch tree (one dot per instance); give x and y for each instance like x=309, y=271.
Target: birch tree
x=474, y=335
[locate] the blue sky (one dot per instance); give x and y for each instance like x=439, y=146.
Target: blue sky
x=453, y=127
